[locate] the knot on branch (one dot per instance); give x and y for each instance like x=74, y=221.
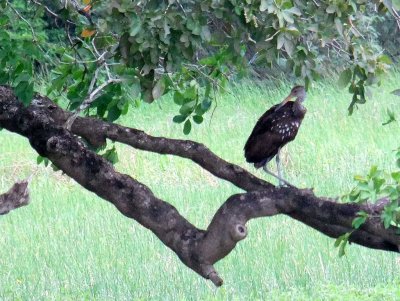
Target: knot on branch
x=61, y=142
x=55, y=145
x=238, y=232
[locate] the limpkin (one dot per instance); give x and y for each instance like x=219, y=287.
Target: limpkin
x=276, y=127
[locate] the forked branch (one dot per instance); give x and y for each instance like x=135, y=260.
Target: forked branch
x=42, y=123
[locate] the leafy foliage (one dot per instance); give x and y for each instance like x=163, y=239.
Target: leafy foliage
x=378, y=186
x=145, y=49
x=341, y=243
x=16, y=67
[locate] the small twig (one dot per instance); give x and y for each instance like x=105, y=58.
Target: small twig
x=316, y=3
x=51, y=12
x=101, y=58
x=23, y=19
x=181, y=6
x=93, y=82
x=198, y=69
x=88, y=101
x=168, y=6
x=397, y=17
x=76, y=53
x=337, y=48
x=271, y=37
x=216, y=105
x=355, y=28
x=35, y=39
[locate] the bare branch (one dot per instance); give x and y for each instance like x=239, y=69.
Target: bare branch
x=16, y=197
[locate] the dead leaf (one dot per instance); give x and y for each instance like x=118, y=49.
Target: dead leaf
x=87, y=33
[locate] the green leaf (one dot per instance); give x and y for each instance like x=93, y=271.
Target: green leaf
x=158, y=89
x=280, y=41
x=373, y=171
x=358, y=221
x=391, y=115
x=341, y=242
x=39, y=159
x=295, y=11
x=24, y=91
x=187, y=127
x=43, y=160
x=190, y=92
x=206, y=104
x=187, y=108
x=338, y=241
x=344, y=78
x=387, y=218
x=136, y=25
x=396, y=92
x=198, y=119
x=331, y=9
x=179, y=118
x=396, y=176
x=123, y=105
x=111, y=155
x=385, y=59
x=288, y=17
x=178, y=98
x=22, y=77
x=339, y=26
x=205, y=33
x=113, y=113
x=57, y=84
x=342, y=250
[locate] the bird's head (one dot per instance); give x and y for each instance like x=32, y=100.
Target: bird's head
x=298, y=92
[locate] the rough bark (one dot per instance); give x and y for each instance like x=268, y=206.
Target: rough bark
x=96, y=132
x=16, y=197
x=42, y=123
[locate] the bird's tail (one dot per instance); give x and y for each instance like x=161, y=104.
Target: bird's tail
x=260, y=164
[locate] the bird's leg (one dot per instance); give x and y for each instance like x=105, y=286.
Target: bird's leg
x=279, y=167
x=279, y=178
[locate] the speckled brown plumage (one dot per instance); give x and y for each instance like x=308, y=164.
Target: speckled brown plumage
x=274, y=129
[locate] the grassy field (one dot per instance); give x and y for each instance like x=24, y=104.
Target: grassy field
x=70, y=245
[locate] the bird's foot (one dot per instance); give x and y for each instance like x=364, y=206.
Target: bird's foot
x=284, y=183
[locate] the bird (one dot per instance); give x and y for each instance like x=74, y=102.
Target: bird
x=273, y=130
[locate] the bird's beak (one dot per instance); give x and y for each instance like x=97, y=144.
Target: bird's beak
x=290, y=96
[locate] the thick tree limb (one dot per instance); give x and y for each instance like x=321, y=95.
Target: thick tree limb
x=96, y=132
x=16, y=197
x=199, y=249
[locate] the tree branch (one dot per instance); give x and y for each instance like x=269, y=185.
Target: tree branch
x=16, y=197
x=42, y=123
x=96, y=132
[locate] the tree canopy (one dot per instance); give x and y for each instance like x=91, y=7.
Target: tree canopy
x=136, y=50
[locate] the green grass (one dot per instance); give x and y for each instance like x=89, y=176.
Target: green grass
x=70, y=245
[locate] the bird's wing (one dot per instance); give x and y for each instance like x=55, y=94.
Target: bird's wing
x=261, y=147
x=264, y=123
